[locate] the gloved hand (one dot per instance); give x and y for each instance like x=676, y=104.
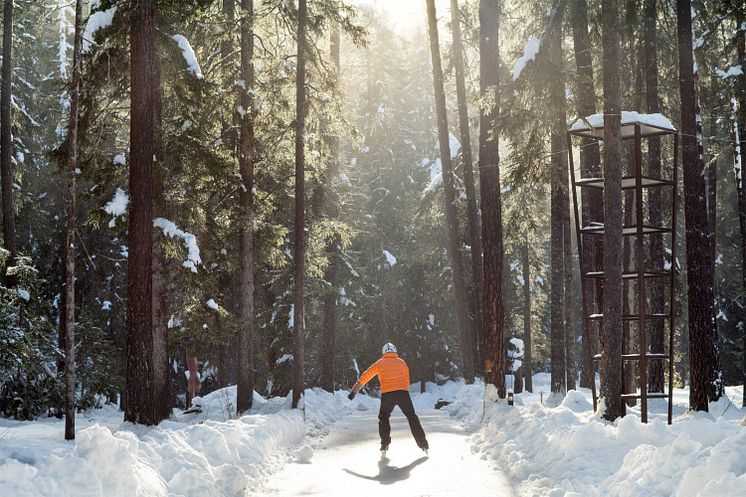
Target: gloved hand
x=351, y=396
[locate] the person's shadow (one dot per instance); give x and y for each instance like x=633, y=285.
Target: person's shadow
x=390, y=474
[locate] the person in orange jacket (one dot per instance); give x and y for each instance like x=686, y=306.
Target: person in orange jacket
x=393, y=373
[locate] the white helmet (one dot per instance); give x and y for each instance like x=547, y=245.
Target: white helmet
x=389, y=347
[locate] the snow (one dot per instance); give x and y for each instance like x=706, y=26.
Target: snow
x=454, y=144
x=436, y=175
x=628, y=117
x=98, y=20
x=212, y=304
x=117, y=206
x=119, y=159
x=568, y=451
x=344, y=179
x=285, y=358
x=478, y=449
x=530, y=50
x=24, y=294
x=190, y=242
x=732, y=71
x=189, y=57
x=390, y=259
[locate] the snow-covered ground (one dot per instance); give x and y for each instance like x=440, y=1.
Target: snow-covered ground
x=566, y=451
x=531, y=449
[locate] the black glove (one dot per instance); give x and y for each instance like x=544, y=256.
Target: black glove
x=351, y=396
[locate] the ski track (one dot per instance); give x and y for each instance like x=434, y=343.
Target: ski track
x=347, y=462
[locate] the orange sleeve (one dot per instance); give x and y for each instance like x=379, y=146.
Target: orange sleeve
x=369, y=374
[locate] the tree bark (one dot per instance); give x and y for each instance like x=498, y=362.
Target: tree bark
x=475, y=239
x=493, y=349
x=611, y=328
x=527, y=356
x=739, y=149
x=139, y=384
x=162, y=368
x=559, y=207
x=656, y=338
x=300, y=206
x=449, y=197
x=590, y=166
x=332, y=249
x=72, y=161
x=245, y=387
x=194, y=383
x=703, y=346
x=6, y=142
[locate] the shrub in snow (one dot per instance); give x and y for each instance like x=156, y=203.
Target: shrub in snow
x=304, y=454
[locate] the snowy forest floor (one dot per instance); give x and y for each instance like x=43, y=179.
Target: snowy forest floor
x=544, y=446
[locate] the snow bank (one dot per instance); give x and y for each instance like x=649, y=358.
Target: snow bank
x=205, y=455
x=566, y=451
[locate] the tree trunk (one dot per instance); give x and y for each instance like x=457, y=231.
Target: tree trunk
x=493, y=350
x=656, y=340
x=332, y=249
x=590, y=166
x=162, y=368
x=72, y=164
x=703, y=346
x=139, y=384
x=739, y=149
x=6, y=142
x=611, y=328
x=572, y=367
x=475, y=240
x=629, y=369
x=559, y=208
x=300, y=205
x=194, y=383
x=527, y=370
x=449, y=197
x=245, y=386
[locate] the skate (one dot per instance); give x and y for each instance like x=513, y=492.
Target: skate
x=384, y=449
x=424, y=446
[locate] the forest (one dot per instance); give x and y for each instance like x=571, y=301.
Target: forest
x=260, y=193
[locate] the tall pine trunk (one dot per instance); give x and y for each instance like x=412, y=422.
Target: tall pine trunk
x=611, y=328
x=559, y=206
x=245, y=382
x=449, y=197
x=590, y=166
x=139, y=385
x=703, y=347
x=493, y=350
x=739, y=150
x=72, y=164
x=331, y=199
x=162, y=369
x=6, y=142
x=300, y=206
x=656, y=338
x=527, y=356
x=475, y=240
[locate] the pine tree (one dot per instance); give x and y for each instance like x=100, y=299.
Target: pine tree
x=475, y=240
x=246, y=216
x=72, y=159
x=6, y=143
x=140, y=393
x=611, y=328
x=703, y=346
x=493, y=351
x=449, y=197
x=300, y=206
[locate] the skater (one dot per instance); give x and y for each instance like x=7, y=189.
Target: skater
x=393, y=374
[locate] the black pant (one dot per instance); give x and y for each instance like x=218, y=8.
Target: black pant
x=400, y=398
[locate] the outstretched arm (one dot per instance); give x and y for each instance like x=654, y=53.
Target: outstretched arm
x=364, y=378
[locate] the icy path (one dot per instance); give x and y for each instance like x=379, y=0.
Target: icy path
x=347, y=463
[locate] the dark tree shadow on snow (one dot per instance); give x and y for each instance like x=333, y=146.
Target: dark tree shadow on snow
x=390, y=474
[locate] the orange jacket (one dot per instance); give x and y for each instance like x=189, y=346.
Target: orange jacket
x=392, y=372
